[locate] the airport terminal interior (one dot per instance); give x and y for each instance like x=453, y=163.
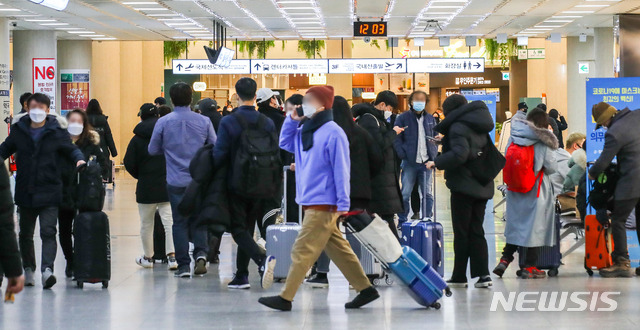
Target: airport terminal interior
x=508, y=55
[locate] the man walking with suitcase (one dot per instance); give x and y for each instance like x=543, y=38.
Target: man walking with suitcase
x=178, y=136
x=322, y=175
x=622, y=140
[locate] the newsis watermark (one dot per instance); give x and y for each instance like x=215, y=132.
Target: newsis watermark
x=554, y=301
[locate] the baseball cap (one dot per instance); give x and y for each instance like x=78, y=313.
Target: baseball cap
x=264, y=94
x=207, y=104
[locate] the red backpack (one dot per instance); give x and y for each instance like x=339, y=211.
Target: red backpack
x=518, y=172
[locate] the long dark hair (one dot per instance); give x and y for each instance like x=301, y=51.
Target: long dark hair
x=85, y=137
x=93, y=108
x=342, y=115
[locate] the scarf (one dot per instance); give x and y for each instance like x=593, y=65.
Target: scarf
x=309, y=126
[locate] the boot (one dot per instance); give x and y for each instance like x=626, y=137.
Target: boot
x=621, y=268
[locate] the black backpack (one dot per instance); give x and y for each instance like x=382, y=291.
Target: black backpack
x=256, y=168
x=601, y=196
x=88, y=189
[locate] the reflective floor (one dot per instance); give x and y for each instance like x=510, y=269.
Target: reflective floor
x=153, y=299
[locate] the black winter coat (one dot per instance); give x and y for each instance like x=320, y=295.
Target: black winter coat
x=67, y=168
x=465, y=132
x=101, y=125
x=366, y=158
x=10, y=260
x=151, y=171
x=278, y=117
x=562, y=126
x=39, y=177
x=215, y=118
x=385, y=187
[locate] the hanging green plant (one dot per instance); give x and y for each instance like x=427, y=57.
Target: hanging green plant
x=258, y=47
x=502, y=52
x=311, y=48
x=376, y=43
x=173, y=50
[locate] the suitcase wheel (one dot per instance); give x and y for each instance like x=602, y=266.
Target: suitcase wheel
x=436, y=305
x=375, y=281
x=553, y=272
x=80, y=284
x=388, y=280
x=105, y=284
x=519, y=272
x=590, y=272
x=447, y=292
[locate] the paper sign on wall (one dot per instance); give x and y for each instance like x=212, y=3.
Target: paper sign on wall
x=44, y=78
x=74, y=90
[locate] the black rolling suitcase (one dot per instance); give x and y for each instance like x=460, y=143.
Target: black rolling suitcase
x=92, y=250
x=549, y=257
x=159, y=247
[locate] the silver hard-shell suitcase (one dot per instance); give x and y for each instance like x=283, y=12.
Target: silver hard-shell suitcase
x=371, y=266
x=280, y=237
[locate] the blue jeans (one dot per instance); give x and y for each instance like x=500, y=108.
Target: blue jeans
x=411, y=172
x=185, y=231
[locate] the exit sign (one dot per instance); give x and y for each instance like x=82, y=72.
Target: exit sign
x=583, y=67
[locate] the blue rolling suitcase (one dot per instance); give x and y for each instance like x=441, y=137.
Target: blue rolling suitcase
x=549, y=257
x=424, y=284
x=426, y=236
x=634, y=248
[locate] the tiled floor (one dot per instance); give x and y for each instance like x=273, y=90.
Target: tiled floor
x=153, y=299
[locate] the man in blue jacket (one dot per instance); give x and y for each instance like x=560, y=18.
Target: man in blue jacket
x=38, y=140
x=416, y=151
x=178, y=136
x=323, y=169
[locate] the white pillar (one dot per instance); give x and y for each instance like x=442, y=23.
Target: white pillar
x=604, y=52
x=27, y=45
x=73, y=55
x=5, y=76
x=576, y=82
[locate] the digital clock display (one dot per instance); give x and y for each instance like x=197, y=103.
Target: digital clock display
x=369, y=29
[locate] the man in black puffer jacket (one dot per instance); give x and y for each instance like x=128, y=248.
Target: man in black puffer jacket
x=151, y=190
x=38, y=141
x=386, y=199
x=465, y=128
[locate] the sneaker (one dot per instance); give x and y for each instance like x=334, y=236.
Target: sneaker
x=621, y=268
x=239, y=282
x=532, y=272
x=484, y=282
x=276, y=302
x=68, y=271
x=29, y=277
x=456, y=284
x=201, y=266
x=364, y=297
x=183, y=272
x=319, y=281
x=144, y=262
x=48, y=279
x=173, y=264
x=266, y=271
x=501, y=267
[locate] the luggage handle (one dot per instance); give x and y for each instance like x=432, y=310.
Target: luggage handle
x=424, y=196
x=366, y=245
x=284, y=197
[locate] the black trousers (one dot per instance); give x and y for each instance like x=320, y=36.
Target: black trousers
x=415, y=199
x=389, y=218
x=621, y=211
x=531, y=259
x=247, y=210
x=469, y=243
x=65, y=232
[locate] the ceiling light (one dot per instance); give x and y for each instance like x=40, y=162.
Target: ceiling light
x=9, y=9
x=578, y=12
x=151, y=9
x=91, y=35
x=567, y=16
x=54, y=24
x=547, y=26
x=173, y=19
x=445, y=7
x=592, y=6
x=140, y=3
x=163, y=15
x=181, y=24
x=109, y=38
x=54, y=4
x=39, y=20
x=68, y=28
x=81, y=32
x=559, y=21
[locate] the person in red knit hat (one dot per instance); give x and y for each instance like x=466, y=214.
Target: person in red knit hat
x=323, y=173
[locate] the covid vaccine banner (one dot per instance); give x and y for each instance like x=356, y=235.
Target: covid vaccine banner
x=620, y=93
x=490, y=101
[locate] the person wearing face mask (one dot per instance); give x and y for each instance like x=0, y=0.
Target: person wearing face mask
x=416, y=151
x=88, y=141
x=621, y=141
x=386, y=198
x=323, y=177
x=39, y=141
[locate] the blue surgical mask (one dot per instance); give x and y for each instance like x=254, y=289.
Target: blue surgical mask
x=419, y=105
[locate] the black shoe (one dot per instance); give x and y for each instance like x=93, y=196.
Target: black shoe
x=456, y=284
x=364, y=297
x=638, y=271
x=276, y=302
x=266, y=271
x=215, y=259
x=201, y=266
x=239, y=282
x=68, y=271
x=484, y=282
x=320, y=281
x=415, y=216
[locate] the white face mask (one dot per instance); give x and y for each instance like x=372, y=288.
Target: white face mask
x=37, y=115
x=387, y=114
x=419, y=105
x=75, y=129
x=308, y=110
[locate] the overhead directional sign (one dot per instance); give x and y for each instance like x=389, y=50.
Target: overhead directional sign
x=205, y=67
x=444, y=65
x=289, y=66
x=382, y=65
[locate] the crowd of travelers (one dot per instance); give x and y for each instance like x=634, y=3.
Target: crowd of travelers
x=208, y=170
